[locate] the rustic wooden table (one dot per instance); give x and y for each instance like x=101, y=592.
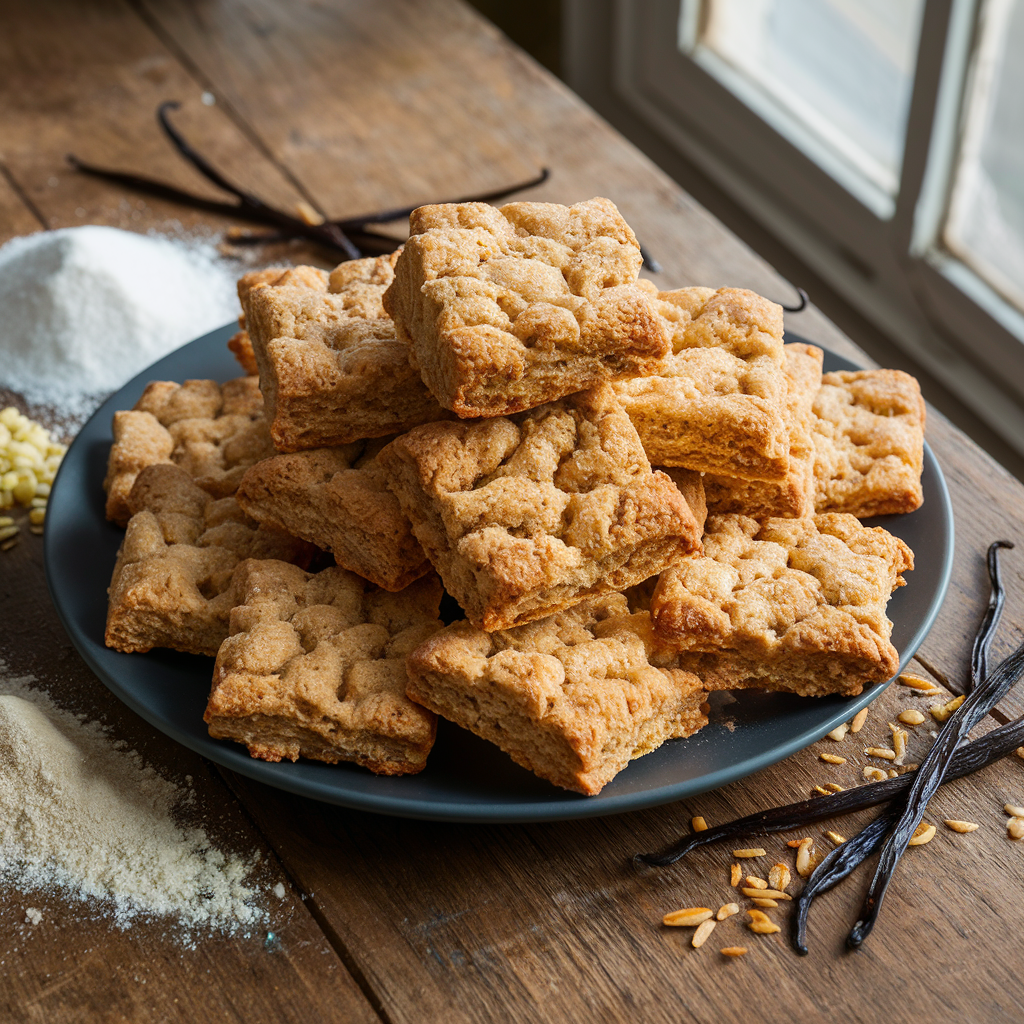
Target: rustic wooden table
x=353, y=105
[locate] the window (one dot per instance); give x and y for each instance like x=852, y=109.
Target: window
x=882, y=140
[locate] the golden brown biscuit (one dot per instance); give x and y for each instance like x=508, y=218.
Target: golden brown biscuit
x=525, y=515
x=869, y=443
x=572, y=697
x=337, y=498
x=793, y=495
x=331, y=368
x=717, y=404
x=505, y=309
x=787, y=604
x=171, y=585
x=315, y=667
x=214, y=432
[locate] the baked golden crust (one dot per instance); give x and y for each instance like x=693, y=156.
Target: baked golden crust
x=787, y=604
x=717, y=404
x=171, y=585
x=869, y=443
x=793, y=495
x=331, y=367
x=526, y=515
x=505, y=309
x=337, y=498
x=214, y=432
x=572, y=697
x=315, y=667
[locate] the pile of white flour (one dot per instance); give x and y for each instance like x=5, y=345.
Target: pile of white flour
x=82, y=310
x=85, y=817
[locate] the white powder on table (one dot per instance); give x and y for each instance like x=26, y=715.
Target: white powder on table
x=86, y=817
x=82, y=310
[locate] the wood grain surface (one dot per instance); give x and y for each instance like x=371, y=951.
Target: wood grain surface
x=354, y=105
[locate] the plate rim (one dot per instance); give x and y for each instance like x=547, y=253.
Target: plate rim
x=564, y=805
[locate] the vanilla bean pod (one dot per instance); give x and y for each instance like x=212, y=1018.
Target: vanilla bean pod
x=993, y=613
x=927, y=780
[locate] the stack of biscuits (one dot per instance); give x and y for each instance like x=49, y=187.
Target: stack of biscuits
x=635, y=497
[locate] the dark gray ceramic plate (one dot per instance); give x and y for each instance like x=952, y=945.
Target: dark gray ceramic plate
x=466, y=779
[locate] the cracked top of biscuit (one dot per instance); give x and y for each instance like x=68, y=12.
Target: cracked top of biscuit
x=810, y=584
x=869, y=442
x=326, y=644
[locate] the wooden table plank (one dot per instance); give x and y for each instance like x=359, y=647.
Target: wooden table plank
x=16, y=218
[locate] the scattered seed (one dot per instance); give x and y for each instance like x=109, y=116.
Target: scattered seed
x=6, y=532
x=37, y=530
x=893, y=773
x=874, y=774
x=37, y=516
x=736, y=874
x=1015, y=828
x=734, y=951
x=766, y=894
x=942, y=711
x=832, y=758
x=916, y=682
x=8, y=544
x=911, y=717
x=6, y=521
x=1015, y=810
x=822, y=790
x=1019, y=751
x=833, y=787
x=797, y=842
x=806, y=861
x=899, y=742
x=758, y=902
x=858, y=720
x=883, y=752
x=764, y=927
x=756, y=883
x=727, y=910
x=754, y=851
x=836, y=837
x=704, y=929
x=699, y=824
x=960, y=826
x=687, y=918
x=779, y=877
x=924, y=833
x=839, y=732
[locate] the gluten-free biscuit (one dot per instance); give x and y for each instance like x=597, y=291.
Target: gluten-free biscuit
x=785, y=604
x=332, y=369
x=525, y=515
x=337, y=498
x=315, y=667
x=572, y=697
x=793, y=495
x=171, y=585
x=214, y=432
x=505, y=309
x=718, y=402
x=868, y=443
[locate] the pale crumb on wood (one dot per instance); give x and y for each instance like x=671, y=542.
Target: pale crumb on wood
x=736, y=873
x=833, y=787
x=960, y=826
x=874, y=774
x=756, y=883
x=942, y=711
x=924, y=833
x=822, y=790
x=727, y=910
x=759, y=902
x=753, y=851
x=858, y=720
x=794, y=843
x=766, y=894
x=911, y=717
x=916, y=682
x=839, y=732
x=308, y=213
x=1019, y=751
x=899, y=742
x=699, y=824
x=687, y=917
x=893, y=773
x=704, y=929
x=832, y=758
x=806, y=861
x=883, y=752
x=763, y=927
x=836, y=837
x=733, y=951
x=1015, y=828
x=779, y=877
x=1015, y=810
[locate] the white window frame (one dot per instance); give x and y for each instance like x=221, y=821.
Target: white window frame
x=884, y=254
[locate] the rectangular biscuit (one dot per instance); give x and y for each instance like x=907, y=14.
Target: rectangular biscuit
x=337, y=498
x=717, y=404
x=315, y=667
x=793, y=495
x=171, y=585
x=212, y=431
x=525, y=515
x=506, y=309
x=332, y=370
x=572, y=697
x=868, y=443
x=785, y=604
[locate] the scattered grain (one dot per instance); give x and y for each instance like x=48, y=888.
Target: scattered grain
x=794, y=843
x=832, y=758
x=822, y=790
x=858, y=720
x=899, y=742
x=736, y=874
x=1015, y=810
x=727, y=910
x=882, y=752
x=960, y=826
x=766, y=894
x=874, y=774
x=836, y=837
x=753, y=851
x=911, y=717
x=833, y=787
x=942, y=711
x=734, y=951
x=779, y=877
x=687, y=918
x=761, y=924
x=759, y=902
x=839, y=732
x=700, y=936
x=756, y=883
x=893, y=773
x=1015, y=828
x=806, y=860
x=924, y=833
x=699, y=824
x=916, y=682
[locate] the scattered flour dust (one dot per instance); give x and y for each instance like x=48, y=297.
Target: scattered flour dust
x=85, y=309
x=84, y=816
